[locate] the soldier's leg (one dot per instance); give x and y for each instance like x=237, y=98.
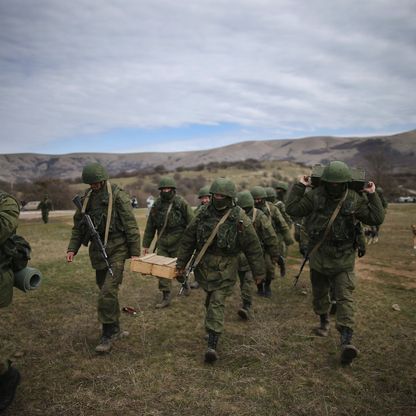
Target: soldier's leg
x=246, y=279
x=108, y=305
x=270, y=275
x=344, y=288
x=321, y=301
x=214, y=320
x=165, y=285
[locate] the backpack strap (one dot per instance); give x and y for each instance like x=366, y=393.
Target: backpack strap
x=159, y=234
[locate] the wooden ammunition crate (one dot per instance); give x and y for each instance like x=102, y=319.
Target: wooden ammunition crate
x=159, y=266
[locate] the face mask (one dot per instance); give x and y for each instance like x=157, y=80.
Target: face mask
x=248, y=210
x=167, y=196
x=259, y=204
x=220, y=204
x=280, y=195
x=335, y=190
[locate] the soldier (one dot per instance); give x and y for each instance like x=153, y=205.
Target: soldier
x=204, y=197
x=112, y=214
x=333, y=210
x=169, y=217
x=219, y=232
x=281, y=190
x=9, y=213
x=45, y=206
x=282, y=232
x=269, y=244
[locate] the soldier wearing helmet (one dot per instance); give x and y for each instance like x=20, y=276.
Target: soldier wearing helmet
x=282, y=231
x=269, y=244
x=168, y=218
x=333, y=209
x=204, y=197
x=45, y=206
x=110, y=210
x=231, y=232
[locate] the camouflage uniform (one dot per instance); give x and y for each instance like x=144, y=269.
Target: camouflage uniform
x=123, y=243
x=9, y=213
x=45, y=206
x=217, y=271
x=179, y=217
x=333, y=262
x=281, y=229
x=269, y=244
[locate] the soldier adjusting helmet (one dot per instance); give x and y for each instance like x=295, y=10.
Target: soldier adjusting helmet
x=245, y=200
x=167, y=182
x=336, y=172
x=223, y=186
x=93, y=173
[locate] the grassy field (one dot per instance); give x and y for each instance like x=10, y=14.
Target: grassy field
x=270, y=365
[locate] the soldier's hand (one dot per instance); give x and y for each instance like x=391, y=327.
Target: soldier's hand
x=70, y=256
x=282, y=266
x=361, y=252
x=370, y=188
x=134, y=258
x=258, y=279
x=145, y=250
x=305, y=180
x=179, y=273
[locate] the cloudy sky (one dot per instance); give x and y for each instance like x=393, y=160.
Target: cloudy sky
x=166, y=75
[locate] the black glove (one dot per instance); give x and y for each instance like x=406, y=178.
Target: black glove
x=281, y=263
x=361, y=252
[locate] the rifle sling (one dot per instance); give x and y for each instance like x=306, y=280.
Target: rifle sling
x=109, y=209
x=159, y=235
x=328, y=227
x=210, y=239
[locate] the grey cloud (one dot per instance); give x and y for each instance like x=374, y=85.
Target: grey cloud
x=79, y=67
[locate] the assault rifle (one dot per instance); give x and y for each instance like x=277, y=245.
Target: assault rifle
x=95, y=236
x=188, y=270
x=301, y=269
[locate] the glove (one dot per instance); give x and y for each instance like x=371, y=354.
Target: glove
x=180, y=275
x=361, y=252
x=282, y=265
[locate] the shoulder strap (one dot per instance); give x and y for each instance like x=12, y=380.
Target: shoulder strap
x=211, y=238
x=331, y=221
x=159, y=234
x=254, y=214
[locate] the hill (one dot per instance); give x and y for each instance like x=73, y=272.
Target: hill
x=398, y=150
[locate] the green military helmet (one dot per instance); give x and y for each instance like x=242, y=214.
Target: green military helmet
x=270, y=192
x=258, y=192
x=167, y=182
x=204, y=191
x=282, y=185
x=245, y=199
x=223, y=186
x=93, y=173
x=336, y=172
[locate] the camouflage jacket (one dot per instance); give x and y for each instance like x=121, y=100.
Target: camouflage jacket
x=124, y=237
x=337, y=252
x=266, y=234
x=278, y=222
x=218, y=267
x=180, y=216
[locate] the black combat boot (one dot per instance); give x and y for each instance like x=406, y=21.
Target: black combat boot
x=244, y=311
x=267, y=290
x=323, y=329
x=348, y=351
x=8, y=385
x=333, y=309
x=104, y=346
x=211, y=354
x=165, y=300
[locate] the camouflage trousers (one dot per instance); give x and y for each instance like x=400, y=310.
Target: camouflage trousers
x=45, y=216
x=246, y=281
x=108, y=307
x=165, y=285
x=215, y=306
x=343, y=285
x=6, y=296
x=270, y=268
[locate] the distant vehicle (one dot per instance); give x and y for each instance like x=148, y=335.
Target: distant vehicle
x=31, y=206
x=406, y=199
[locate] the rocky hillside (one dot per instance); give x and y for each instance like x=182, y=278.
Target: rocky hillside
x=398, y=150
